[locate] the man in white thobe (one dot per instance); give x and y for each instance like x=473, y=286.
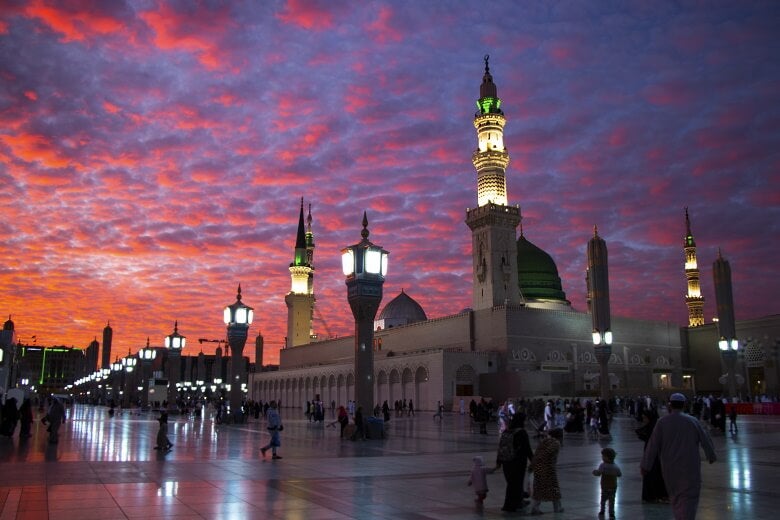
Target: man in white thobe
x=548, y=416
x=676, y=439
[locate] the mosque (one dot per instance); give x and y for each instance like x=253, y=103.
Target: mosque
x=521, y=337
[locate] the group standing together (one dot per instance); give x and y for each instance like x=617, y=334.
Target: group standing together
x=670, y=467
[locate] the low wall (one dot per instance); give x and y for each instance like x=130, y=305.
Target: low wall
x=755, y=408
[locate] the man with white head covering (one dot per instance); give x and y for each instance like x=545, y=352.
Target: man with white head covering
x=676, y=439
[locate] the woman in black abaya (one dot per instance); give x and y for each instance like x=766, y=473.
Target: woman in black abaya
x=653, y=487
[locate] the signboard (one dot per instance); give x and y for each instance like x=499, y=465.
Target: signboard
x=555, y=367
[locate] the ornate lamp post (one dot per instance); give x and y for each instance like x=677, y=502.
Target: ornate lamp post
x=237, y=317
x=598, y=292
x=105, y=384
x=174, y=342
x=116, y=378
x=129, y=363
x=365, y=266
x=728, y=344
x=146, y=355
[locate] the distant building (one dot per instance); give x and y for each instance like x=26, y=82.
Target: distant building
x=49, y=369
x=520, y=338
x=7, y=358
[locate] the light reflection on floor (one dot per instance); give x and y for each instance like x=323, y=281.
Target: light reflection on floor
x=106, y=467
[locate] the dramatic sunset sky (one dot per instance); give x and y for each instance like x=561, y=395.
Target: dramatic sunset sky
x=153, y=154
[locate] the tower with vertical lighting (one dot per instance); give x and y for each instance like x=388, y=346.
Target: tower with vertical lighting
x=694, y=300
x=493, y=222
x=300, y=300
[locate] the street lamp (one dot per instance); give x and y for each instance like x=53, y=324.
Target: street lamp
x=237, y=317
x=147, y=356
x=174, y=342
x=129, y=364
x=116, y=377
x=728, y=344
x=598, y=294
x=365, y=266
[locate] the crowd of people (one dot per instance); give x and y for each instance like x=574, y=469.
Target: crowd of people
x=670, y=466
x=12, y=413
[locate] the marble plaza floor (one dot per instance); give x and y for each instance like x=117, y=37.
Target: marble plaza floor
x=105, y=468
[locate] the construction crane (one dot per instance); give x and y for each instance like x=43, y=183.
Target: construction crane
x=220, y=341
x=324, y=323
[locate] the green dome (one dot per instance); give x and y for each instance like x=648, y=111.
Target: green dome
x=537, y=274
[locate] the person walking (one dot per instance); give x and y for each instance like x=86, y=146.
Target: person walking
x=163, y=443
x=10, y=417
x=675, y=440
x=274, y=426
x=25, y=419
x=359, y=429
x=439, y=411
x=548, y=416
x=609, y=473
x=546, y=487
x=514, y=454
x=478, y=479
x=55, y=417
x=733, y=419
x=343, y=420
x=653, y=487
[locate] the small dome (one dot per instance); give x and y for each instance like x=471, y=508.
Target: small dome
x=537, y=274
x=401, y=310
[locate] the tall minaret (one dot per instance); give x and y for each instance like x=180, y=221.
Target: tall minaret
x=310, y=260
x=108, y=335
x=300, y=299
x=693, y=299
x=259, y=343
x=493, y=223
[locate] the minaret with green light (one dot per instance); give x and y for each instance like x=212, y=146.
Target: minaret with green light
x=493, y=222
x=300, y=300
x=694, y=300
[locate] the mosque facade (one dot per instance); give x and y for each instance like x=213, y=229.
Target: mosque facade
x=521, y=338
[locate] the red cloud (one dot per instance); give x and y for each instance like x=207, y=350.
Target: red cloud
x=618, y=137
x=73, y=24
x=670, y=93
x=381, y=28
x=198, y=32
x=307, y=14
x=36, y=148
x=110, y=107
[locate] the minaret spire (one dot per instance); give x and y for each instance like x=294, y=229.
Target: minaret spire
x=688, y=225
x=310, y=250
x=694, y=300
x=300, y=300
x=493, y=223
x=300, y=241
